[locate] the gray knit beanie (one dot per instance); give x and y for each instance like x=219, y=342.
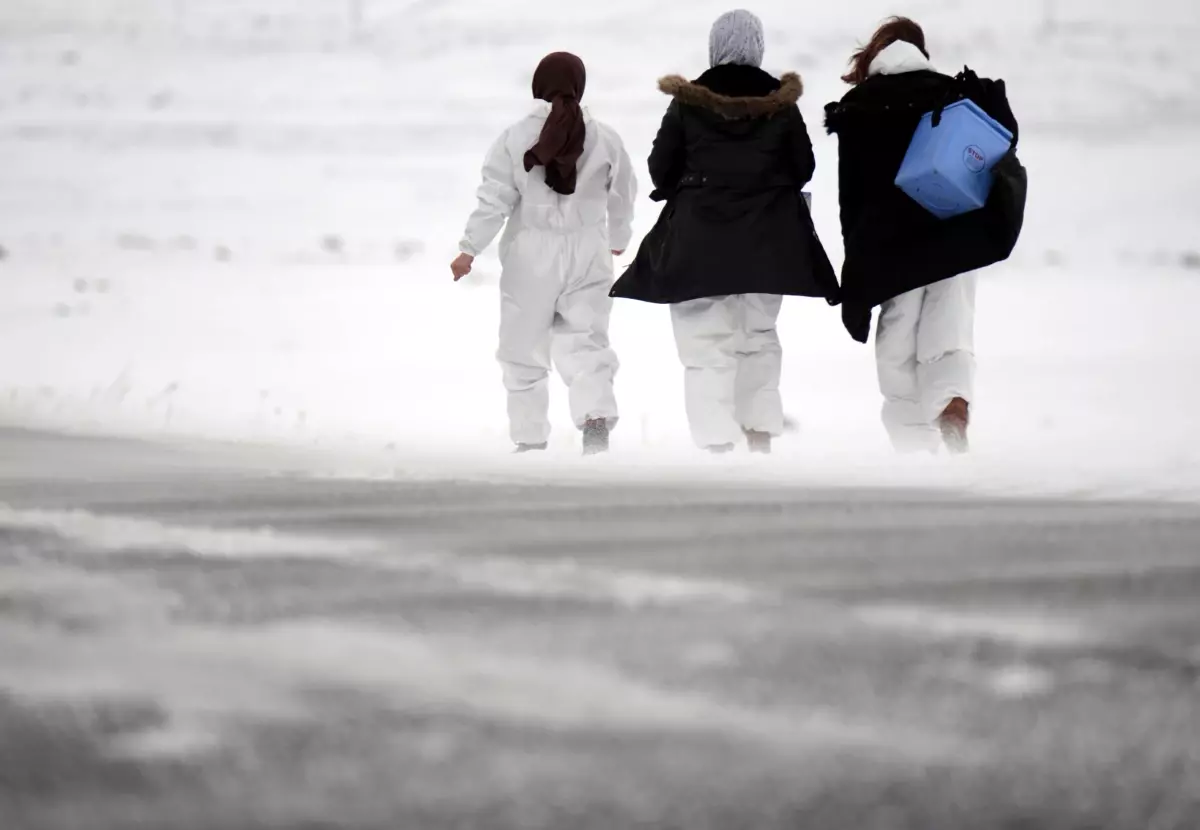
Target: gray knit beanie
x=737, y=37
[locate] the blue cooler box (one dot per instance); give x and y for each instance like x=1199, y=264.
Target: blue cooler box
x=948, y=168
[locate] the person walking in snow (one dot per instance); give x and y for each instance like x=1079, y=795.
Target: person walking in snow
x=565, y=186
x=919, y=269
x=730, y=160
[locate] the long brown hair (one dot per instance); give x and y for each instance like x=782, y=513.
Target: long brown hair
x=893, y=29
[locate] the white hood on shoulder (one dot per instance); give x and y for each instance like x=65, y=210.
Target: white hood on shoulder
x=541, y=109
x=899, y=58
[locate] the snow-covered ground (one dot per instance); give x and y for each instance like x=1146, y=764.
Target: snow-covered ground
x=188, y=643
x=234, y=221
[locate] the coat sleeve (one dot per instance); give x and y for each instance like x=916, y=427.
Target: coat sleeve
x=667, y=158
x=800, y=148
x=850, y=187
x=498, y=197
x=622, y=193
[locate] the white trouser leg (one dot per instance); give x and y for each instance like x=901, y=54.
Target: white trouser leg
x=706, y=336
x=581, y=350
x=946, y=345
x=758, y=405
x=896, y=363
x=530, y=285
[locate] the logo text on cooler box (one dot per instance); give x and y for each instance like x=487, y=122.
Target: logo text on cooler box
x=974, y=159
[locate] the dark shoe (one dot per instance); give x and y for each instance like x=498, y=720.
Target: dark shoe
x=760, y=442
x=953, y=423
x=524, y=448
x=721, y=449
x=595, y=437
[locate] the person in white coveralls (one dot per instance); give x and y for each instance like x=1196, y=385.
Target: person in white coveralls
x=566, y=188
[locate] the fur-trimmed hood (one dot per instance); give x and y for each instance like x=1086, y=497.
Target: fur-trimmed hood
x=695, y=94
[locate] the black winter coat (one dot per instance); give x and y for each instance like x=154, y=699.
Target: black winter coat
x=893, y=245
x=730, y=160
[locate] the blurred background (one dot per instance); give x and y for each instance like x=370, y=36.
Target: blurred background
x=233, y=218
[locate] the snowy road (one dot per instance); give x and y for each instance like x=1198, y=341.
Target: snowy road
x=189, y=639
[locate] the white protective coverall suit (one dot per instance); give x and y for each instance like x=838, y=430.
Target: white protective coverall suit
x=557, y=271
x=925, y=355
x=732, y=359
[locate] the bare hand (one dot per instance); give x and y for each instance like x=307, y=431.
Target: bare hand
x=461, y=266
x=617, y=253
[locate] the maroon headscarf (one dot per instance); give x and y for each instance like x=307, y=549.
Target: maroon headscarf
x=560, y=79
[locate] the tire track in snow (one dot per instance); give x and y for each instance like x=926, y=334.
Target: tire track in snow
x=546, y=579
x=1012, y=627
x=207, y=681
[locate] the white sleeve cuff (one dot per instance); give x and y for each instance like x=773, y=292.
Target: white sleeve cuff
x=620, y=240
